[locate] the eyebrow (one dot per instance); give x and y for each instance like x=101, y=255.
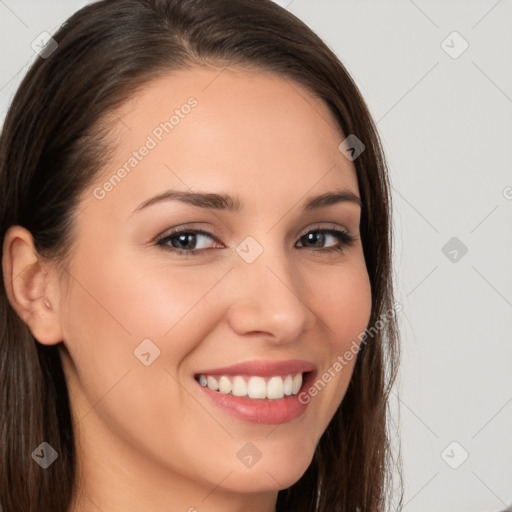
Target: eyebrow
x=234, y=204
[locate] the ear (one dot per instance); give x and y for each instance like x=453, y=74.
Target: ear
x=30, y=286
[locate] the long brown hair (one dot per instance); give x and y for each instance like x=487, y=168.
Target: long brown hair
x=54, y=143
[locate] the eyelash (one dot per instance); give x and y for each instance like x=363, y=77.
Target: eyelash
x=345, y=240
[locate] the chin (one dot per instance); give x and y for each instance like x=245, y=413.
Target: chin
x=274, y=476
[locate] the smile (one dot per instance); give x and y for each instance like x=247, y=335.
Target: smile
x=259, y=392
x=254, y=387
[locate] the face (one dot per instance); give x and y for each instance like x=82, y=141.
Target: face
x=161, y=291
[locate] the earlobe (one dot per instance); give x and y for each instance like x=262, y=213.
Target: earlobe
x=27, y=284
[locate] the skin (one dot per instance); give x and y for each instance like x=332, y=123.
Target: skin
x=147, y=437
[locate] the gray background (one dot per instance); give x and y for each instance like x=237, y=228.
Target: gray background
x=446, y=123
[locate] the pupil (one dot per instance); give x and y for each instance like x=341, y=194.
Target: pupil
x=183, y=239
x=319, y=238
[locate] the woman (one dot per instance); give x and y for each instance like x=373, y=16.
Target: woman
x=197, y=302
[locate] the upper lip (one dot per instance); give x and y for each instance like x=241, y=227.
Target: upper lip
x=263, y=368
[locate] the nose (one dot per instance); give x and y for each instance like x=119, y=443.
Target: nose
x=269, y=298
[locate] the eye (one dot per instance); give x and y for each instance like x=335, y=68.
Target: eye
x=192, y=242
x=322, y=236
x=187, y=242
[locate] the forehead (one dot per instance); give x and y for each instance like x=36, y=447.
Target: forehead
x=212, y=128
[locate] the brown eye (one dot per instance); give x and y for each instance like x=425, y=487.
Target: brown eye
x=318, y=238
x=186, y=241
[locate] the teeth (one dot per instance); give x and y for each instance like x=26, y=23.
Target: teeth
x=224, y=385
x=213, y=383
x=275, y=388
x=297, y=383
x=239, y=387
x=255, y=387
x=288, y=385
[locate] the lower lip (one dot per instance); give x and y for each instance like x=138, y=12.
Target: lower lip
x=265, y=411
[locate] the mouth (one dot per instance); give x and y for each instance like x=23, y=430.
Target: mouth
x=264, y=393
x=255, y=387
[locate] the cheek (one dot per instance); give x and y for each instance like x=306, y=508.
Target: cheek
x=126, y=302
x=343, y=305
x=106, y=317
x=113, y=306
x=172, y=306
x=343, y=302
